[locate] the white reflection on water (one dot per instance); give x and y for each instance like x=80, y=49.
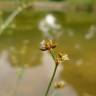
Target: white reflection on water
x=91, y=32
x=35, y=79
x=79, y=62
x=49, y=27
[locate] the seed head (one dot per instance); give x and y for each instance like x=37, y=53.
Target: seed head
x=61, y=57
x=59, y=84
x=47, y=45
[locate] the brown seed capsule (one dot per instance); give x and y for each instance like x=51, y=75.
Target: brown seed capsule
x=47, y=45
x=43, y=49
x=60, y=55
x=63, y=57
x=53, y=46
x=58, y=61
x=59, y=84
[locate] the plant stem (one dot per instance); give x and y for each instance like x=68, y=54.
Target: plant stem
x=15, y=93
x=51, y=80
x=11, y=17
x=52, y=54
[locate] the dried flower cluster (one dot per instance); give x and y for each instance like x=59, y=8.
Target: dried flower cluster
x=48, y=45
x=61, y=57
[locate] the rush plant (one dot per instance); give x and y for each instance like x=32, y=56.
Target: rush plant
x=49, y=45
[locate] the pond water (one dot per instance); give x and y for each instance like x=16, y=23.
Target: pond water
x=25, y=70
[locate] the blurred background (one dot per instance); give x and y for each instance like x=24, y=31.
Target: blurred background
x=24, y=69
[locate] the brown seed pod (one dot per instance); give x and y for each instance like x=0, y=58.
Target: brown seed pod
x=59, y=84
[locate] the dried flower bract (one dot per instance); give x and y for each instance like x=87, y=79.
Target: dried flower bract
x=61, y=57
x=59, y=84
x=47, y=45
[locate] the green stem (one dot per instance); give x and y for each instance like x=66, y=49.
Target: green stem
x=11, y=17
x=15, y=93
x=52, y=54
x=51, y=80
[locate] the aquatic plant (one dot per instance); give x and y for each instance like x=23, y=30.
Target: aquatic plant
x=49, y=45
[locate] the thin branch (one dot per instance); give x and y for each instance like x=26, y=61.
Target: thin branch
x=49, y=85
x=21, y=74
x=54, y=72
x=12, y=17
